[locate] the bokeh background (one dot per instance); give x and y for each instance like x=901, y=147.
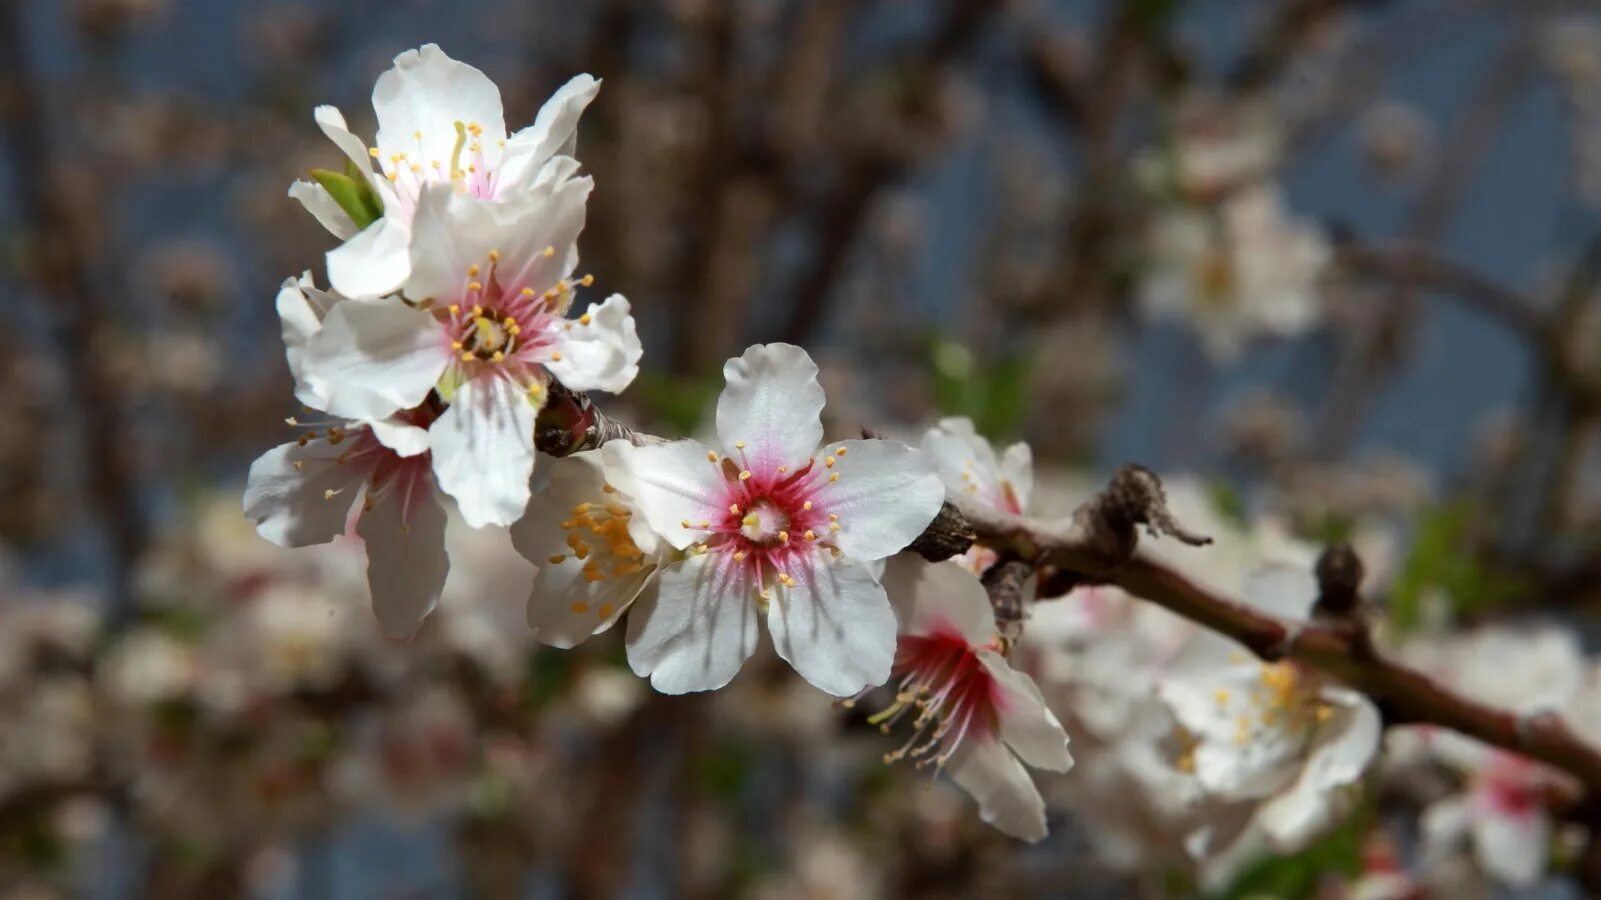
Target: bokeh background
x=951, y=203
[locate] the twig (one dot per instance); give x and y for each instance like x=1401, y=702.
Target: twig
x=1101, y=548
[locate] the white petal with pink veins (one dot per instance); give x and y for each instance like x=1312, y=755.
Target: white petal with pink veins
x=374, y=263
x=1027, y=725
x=773, y=404
x=885, y=496
x=426, y=93
x=1007, y=797
x=698, y=627
x=483, y=449
x=374, y=358
x=450, y=232
x=931, y=598
x=602, y=355
x=671, y=484
x=288, y=493
x=834, y=625
x=406, y=562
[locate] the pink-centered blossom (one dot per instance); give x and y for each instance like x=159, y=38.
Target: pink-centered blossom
x=304, y=492
x=975, y=717
x=776, y=524
x=483, y=326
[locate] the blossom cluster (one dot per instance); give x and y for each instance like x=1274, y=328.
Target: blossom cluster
x=445, y=329
x=448, y=325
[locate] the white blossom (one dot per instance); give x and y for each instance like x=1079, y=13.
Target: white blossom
x=976, y=717
x=490, y=288
x=440, y=122
x=973, y=473
x=772, y=525
x=594, y=554
x=1240, y=270
x=1279, y=732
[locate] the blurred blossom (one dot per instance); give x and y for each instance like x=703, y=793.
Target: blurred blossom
x=1244, y=270
x=1397, y=141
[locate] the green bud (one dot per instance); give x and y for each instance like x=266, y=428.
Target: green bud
x=353, y=194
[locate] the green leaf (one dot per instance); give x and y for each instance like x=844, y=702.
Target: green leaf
x=354, y=195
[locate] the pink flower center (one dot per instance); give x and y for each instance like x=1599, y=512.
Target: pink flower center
x=770, y=517
x=509, y=325
x=939, y=675
x=410, y=171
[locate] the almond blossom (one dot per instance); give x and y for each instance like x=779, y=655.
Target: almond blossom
x=440, y=121
x=1275, y=732
x=1243, y=269
x=594, y=554
x=303, y=493
x=773, y=526
x=486, y=327
x=1502, y=813
x=976, y=717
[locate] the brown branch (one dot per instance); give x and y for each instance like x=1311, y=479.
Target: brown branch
x=1417, y=267
x=1098, y=545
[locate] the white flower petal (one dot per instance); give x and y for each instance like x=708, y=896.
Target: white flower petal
x=1026, y=724
x=420, y=100
x=671, y=484
x=697, y=628
x=374, y=358
x=546, y=218
x=834, y=625
x=1282, y=590
x=301, y=308
x=287, y=493
x=374, y=263
x=321, y=204
x=404, y=438
x=773, y=404
x=1346, y=744
x=555, y=130
x=1513, y=847
x=450, y=232
x=602, y=355
x=332, y=123
x=1260, y=766
x=565, y=608
x=1007, y=797
x=1017, y=473
x=483, y=450
x=887, y=493
x=406, y=561
x=938, y=598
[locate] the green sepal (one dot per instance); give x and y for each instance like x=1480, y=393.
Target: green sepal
x=353, y=194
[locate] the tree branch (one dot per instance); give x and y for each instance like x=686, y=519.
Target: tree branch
x=1099, y=544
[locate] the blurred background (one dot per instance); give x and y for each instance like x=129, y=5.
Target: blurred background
x=1339, y=259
